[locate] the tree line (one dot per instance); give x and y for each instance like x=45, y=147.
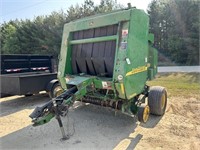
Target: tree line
x=175, y=24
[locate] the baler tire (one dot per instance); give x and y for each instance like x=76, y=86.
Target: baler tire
x=157, y=100
x=143, y=113
x=56, y=90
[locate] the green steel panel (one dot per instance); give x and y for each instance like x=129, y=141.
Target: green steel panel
x=98, y=21
x=120, y=64
x=137, y=53
x=151, y=38
x=91, y=40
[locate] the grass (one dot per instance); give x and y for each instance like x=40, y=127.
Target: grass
x=185, y=85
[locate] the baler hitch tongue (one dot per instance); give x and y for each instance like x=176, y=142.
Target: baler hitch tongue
x=56, y=107
x=42, y=115
x=39, y=111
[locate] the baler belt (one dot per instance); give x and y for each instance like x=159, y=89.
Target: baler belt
x=94, y=58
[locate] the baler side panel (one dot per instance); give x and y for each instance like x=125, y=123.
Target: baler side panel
x=120, y=63
x=136, y=72
x=64, y=58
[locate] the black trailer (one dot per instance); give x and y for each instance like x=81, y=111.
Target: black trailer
x=26, y=74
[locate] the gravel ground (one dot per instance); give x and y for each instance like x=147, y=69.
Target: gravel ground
x=95, y=127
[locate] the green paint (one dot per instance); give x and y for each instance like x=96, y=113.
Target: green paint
x=44, y=119
x=91, y=40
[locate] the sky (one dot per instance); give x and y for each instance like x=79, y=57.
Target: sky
x=28, y=9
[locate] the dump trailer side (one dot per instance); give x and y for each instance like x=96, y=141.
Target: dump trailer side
x=25, y=74
x=21, y=63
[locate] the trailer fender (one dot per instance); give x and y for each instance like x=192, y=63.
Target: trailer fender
x=51, y=84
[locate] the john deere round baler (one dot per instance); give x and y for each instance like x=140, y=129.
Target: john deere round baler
x=106, y=60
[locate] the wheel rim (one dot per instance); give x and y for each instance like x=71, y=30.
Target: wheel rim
x=146, y=113
x=163, y=101
x=57, y=91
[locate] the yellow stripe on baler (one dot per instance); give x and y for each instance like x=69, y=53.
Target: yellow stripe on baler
x=122, y=88
x=137, y=70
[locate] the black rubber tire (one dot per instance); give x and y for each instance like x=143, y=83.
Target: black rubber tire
x=155, y=100
x=141, y=110
x=51, y=92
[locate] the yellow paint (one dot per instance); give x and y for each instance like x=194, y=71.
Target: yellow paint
x=146, y=113
x=122, y=88
x=163, y=99
x=137, y=70
x=123, y=145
